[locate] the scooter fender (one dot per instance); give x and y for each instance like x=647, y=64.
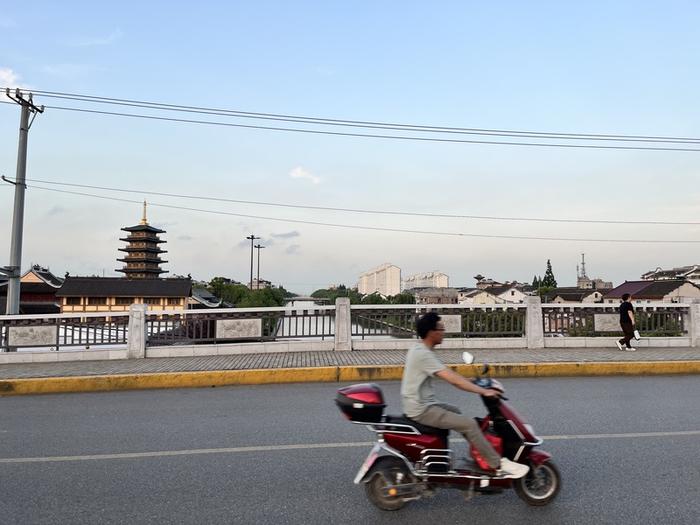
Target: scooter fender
x=379, y=451
x=537, y=457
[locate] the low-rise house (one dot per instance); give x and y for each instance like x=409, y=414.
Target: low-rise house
x=476, y=296
x=573, y=295
x=666, y=291
x=688, y=273
x=508, y=293
x=435, y=295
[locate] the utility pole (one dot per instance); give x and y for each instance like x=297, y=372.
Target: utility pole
x=252, y=239
x=258, y=247
x=13, y=271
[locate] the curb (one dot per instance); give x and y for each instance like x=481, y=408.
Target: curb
x=331, y=374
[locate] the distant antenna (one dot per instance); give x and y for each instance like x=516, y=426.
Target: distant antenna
x=583, y=265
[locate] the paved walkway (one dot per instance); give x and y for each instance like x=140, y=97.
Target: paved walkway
x=322, y=359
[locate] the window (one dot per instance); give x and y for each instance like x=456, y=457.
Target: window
x=173, y=301
x=124, y=301
x=97, y=300
x=512, y=292
x=151, y=300
x=73, y=301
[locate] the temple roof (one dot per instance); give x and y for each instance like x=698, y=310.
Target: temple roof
x=122, y=287
x=142, y=228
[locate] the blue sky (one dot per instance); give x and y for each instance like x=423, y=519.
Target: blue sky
x=597, y=67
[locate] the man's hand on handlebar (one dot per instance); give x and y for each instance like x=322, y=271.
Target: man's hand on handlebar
x=490, y=392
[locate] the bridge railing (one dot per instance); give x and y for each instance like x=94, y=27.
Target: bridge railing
x=56, y=331
x=531, y=325
x=596, y=320
x=461, y=321
x=239, y=324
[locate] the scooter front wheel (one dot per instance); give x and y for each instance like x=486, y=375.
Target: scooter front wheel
x=539, y=486
x=387, y=472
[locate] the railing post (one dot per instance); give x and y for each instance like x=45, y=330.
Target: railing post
x=343, y=325
x=694, y=328
x=136, y=338
x=534, y=330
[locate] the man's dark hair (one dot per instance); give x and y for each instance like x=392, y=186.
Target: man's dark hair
x=625, y=296
x=426, y=323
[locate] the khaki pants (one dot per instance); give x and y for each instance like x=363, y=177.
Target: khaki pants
x=449, y=417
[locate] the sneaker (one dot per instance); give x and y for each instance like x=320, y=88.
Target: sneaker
x=619, y=345
x=630, y=349
x=511, y=469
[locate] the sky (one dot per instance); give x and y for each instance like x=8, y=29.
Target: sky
x=595, y=67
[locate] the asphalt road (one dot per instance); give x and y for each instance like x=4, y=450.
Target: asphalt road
x=283, y=454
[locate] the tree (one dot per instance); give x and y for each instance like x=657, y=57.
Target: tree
x=536, y=282
x=242, y=297
x=549, y=281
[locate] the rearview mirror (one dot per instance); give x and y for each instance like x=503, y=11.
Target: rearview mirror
x=467, y=358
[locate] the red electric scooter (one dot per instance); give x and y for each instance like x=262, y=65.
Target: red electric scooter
x=411, y=461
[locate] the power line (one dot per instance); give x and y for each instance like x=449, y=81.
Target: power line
x=414, y=138
x=368, y=211
x=367, y=124
x=374, y=228
x=369, y=135
x=359, y=123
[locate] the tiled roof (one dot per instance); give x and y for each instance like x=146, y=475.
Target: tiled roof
x=122, y=287
x=646, y=289
x=142, y=228
x=205, y=297
x=498, y=290
x=570, y=293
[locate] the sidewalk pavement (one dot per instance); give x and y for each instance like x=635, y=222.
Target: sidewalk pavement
x=360, y=365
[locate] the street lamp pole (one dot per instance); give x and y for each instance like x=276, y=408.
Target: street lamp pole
x=252, y=239
x=258, y=247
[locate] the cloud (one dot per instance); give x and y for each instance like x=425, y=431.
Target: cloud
x=301, y=173
x=95, y=41
x=185, y=238
x=9, y=79
x=68, y=70
x=287, y=235
x=56, y=210
x=293, y=249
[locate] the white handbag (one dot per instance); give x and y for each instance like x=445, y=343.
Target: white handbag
x=636, y=335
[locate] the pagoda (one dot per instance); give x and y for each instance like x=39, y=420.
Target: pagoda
x=142, y=259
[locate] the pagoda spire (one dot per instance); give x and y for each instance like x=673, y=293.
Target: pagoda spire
x=144, y=221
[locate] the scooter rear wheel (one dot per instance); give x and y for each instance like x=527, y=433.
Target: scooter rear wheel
x=539, y=486
x=388, y=471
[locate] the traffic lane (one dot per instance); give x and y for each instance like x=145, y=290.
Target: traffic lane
x=113, y=422
x=636, y=480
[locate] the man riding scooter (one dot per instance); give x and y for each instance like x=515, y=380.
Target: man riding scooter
x=420, y=404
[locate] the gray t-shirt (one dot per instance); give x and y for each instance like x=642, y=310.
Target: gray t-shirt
x=417, y=382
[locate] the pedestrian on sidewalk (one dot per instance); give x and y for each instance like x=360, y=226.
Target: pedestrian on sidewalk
x=627, y=323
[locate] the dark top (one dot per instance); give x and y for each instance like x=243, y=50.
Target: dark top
x=626, y=307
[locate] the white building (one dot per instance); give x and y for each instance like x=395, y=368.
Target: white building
x=507, y=293
x=426, y=280
x=689, y=273
x=384, y=280
x=477, y=296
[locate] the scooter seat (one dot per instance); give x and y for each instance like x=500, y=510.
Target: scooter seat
x=423, y=429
